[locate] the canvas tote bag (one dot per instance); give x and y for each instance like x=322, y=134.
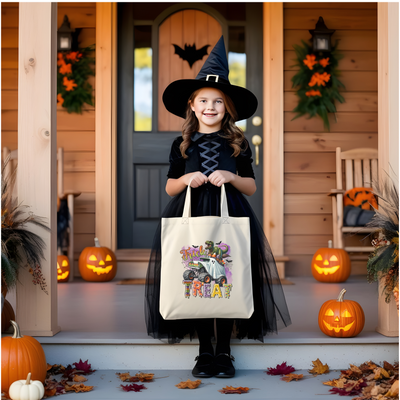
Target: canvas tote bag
x=205, y=265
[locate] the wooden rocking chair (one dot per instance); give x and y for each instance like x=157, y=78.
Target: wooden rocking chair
x=360, y=169
x=69, y=195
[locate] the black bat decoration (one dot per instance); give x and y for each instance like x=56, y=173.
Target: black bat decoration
x=190, y=53
x=195, y=246
x=219, y=242
x=228, y=260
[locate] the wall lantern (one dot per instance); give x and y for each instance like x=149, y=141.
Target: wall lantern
x=321, y=36
x=64, y=36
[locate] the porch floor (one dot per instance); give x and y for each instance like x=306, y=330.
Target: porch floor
x=111, y=313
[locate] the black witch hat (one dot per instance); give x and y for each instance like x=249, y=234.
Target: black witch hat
x=214, y=74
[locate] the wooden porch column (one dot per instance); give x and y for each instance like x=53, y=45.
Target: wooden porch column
x=273, y=131
x=388, y=128
x=106, y=16
x=37, y=154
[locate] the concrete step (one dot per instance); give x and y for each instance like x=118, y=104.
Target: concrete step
x=262, y=386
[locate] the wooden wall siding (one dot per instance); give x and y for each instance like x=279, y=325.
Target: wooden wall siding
x=309, y=149
x=75, y=132
x=183, y=27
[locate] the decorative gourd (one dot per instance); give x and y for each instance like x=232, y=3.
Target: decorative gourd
x=331, y=265
x=6, y=316
x=19, y=356
x=26, y=389
x=97, y=264
x=63, y=268
x=341, y=318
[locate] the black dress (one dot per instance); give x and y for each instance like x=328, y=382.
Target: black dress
x=207, y=153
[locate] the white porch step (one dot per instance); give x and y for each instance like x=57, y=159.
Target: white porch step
x=298, y=349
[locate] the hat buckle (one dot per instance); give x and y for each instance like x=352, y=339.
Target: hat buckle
x=215, y=76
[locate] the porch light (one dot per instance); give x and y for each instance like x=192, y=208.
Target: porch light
x=321, y=36
x=64, y=36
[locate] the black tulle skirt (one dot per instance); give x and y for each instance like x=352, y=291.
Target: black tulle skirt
x=270, y=309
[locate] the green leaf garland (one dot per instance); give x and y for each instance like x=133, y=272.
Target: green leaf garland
x=73, y=71
x=317, y=82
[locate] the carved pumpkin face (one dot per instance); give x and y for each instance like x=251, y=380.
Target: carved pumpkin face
x=97, y=264
x=330, y=265
x=341, y=318
x=63, y=269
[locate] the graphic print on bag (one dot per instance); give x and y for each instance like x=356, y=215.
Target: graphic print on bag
x=208, y=270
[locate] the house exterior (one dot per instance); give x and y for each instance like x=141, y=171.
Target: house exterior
x=111, y=160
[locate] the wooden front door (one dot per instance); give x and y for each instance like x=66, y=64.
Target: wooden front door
x=147, y=62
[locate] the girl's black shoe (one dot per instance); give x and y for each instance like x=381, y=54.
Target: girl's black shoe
x=204, y=366
x=223, y=367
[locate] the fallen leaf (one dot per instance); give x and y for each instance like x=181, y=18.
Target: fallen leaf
x=79, y=378
x=350, y=389
x=70, y=372
x=394, y=390
x=234, y=390
x=339, y=383
x=290, y=377
x=50, y=392
x=381, y=373
x=388, y=367
x=319, y=368
x=84, y=366
x=133, y=387
x=78, y=388
x=188, y=384
x=282, y=369
x=377, y=389
x=144, y=377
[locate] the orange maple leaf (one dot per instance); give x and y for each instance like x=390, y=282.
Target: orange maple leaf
x=290, y=377
x=324, y=62
x=74, y=55
x=310, y=61
x=66, y=69
x=311, y=93
x=319, y=79
x=69, y=84
x=60, y=101
x=188, y=384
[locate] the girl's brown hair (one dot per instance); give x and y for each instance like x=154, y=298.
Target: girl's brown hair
x=232, y=133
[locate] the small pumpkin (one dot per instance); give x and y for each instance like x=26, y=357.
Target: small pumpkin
x=331, y=265
x=63, y=268
x=341, y=318
x=97, y=264
x=19, y=356
x=7, y=315
x=26, y=389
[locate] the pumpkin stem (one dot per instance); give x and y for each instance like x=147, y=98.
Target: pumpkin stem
x=17, y=332
x=28, y=379
x=341, y=294
x=330, y=244
x=96, y=242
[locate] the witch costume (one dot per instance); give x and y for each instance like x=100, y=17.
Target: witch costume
x=208, y=153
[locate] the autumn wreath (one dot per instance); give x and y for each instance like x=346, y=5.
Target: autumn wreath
x=316, y=82
x=73, y=71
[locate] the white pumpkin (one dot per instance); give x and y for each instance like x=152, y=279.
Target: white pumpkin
x=26, y=389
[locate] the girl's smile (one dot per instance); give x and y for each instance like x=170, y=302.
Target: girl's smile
x=209, y=108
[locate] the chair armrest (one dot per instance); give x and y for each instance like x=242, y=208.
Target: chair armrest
x=65, y=195
x=335, y=192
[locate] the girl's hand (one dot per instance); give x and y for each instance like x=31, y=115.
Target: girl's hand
x=198, y=179
x=217, y=178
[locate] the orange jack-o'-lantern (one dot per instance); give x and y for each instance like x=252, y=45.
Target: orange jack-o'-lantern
x=63, y=269
x=360, y=197
x=97, y=264
x=341, y=318
x=331, y=265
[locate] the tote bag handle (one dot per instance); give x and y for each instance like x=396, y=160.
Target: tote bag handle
x=187, y=208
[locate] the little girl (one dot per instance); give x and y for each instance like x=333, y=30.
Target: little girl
x=213, y=151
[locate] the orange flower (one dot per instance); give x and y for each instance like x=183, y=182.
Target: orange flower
x=60, y=60
x=66, y=69
x=313, y=93
x=310, y=61
x=60, y=100
x=324, y=62
x=74, y=55
x=69, y=84
x=319, y=79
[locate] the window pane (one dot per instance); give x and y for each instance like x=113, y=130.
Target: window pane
x=143, y=79
x=237, y=61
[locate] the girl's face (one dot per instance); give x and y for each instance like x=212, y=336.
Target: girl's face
x=209, y=108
